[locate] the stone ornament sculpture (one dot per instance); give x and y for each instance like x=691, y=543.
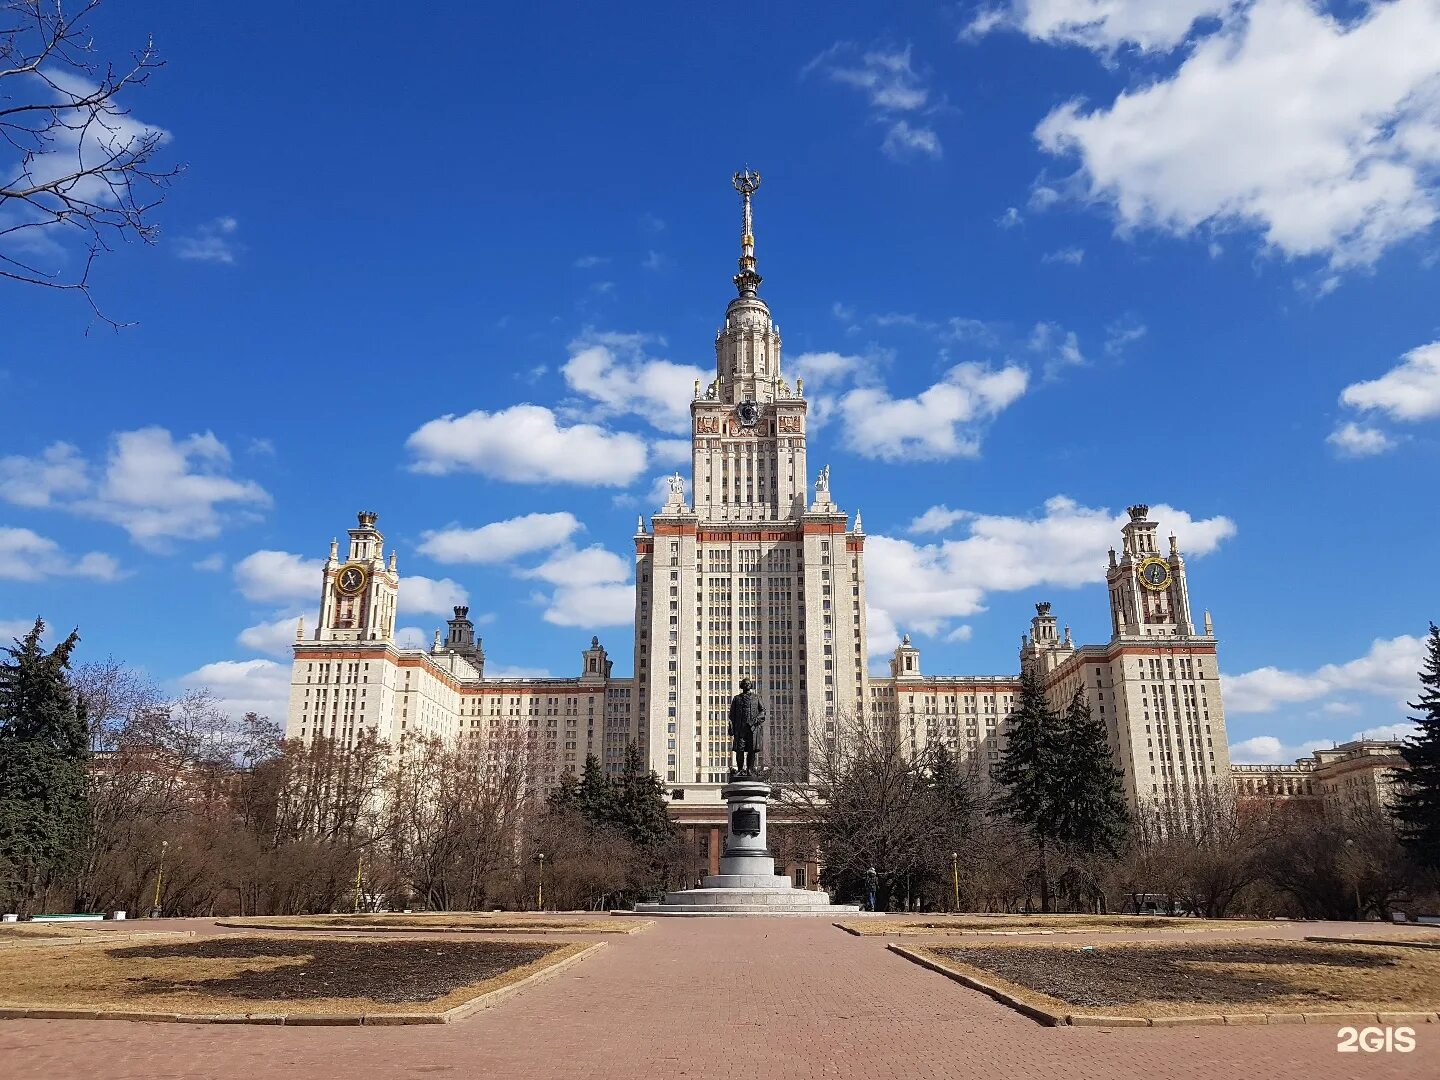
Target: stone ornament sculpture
x=747, y=715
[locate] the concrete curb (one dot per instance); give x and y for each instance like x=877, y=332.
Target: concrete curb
x=383, y=930
x=1055, y=1019
x=1393, y=943
x=1039, y=1015
x=459, y=1012
x=903, y=931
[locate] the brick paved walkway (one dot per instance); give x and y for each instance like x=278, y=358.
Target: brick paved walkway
x=787, y=998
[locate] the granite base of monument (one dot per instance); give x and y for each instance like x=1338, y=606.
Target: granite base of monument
x=747, y=883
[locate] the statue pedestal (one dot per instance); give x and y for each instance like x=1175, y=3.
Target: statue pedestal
x=747, y=883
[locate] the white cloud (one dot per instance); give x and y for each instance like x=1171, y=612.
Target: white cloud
x=60, y=470
x=921, y=588
x=1268, y=750
x=158, y=489
x=155, y=487
x=961, y=633
x=412, y=637
x=670, y=452
x=511, y=671
x=277, y=636
x=428, y=596
x=944, y=421
x=1071, y=256
x=826, y=368
x=1123, y=333
x=937, y=519
x=1398, y=732
x=1102, y=25
x=903, y=140
x=619, y=379
x=241, y=686
x=1389, y=669
x=213, y=241
x=1408, y=391
x=591, y=565
x=1059, y=348
x=500, y=541
x=1010, y=218
x=27, y=556
x=592, y=605
x=1322, y=134
x=526, y=444
x=210, y=564
x=14, y=629
x=277, y=576
x=1353, y=440
x=589, y=262
x=893, y=89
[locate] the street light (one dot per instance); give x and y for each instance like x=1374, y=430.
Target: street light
x=540, y=893
x=159, y=879
x=955, y=877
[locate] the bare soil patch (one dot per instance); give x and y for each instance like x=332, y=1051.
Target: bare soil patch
x=455, y=922
x=1039, y=924
x=236, y=975
x=1165, y=978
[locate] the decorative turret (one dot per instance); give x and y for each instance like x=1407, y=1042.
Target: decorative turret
x=747, y=280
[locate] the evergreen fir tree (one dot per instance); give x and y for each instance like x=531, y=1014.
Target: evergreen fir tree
x=597, y=796
x=1027, y=768
x=1417, y=808
x=43, y=754
x=642, y=815
x=1089, y=813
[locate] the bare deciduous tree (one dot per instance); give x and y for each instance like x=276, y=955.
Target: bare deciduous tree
x=78, y=164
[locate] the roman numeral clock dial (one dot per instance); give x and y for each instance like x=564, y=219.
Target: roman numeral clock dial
x=350, y=581
x=1155, y=574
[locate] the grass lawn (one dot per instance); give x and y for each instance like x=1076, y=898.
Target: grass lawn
x=1164, y=979
x=931, y=925
x=292, y=975
x=453, y=921
x=13, y=935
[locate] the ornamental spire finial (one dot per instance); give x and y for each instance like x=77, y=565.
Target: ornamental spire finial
x=747, y=280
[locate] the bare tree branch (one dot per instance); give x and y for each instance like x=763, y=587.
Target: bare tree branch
x=82, y=168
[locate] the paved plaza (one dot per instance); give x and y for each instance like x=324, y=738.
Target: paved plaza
x=722, y=998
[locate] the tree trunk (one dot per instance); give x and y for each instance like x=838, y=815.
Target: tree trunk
x=1044, y=880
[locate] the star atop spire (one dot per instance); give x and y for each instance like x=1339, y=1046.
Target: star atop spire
x=747, y=280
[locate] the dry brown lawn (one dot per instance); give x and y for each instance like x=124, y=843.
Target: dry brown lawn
x=236, y=975
x=470, y=922
x=933, y=925
x=17, y=935
x=1149, y=979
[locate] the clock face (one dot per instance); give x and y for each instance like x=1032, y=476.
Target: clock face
x=1155, y=574
x=350, y=580
x=749, y=413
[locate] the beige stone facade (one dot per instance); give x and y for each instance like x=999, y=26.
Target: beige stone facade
x=760, y=574
x=1353, y=775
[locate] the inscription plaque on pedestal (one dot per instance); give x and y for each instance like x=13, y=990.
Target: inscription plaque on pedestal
x=745, y=823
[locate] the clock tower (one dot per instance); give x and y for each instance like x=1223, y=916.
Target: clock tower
x=357, y=599
x=1148, y=594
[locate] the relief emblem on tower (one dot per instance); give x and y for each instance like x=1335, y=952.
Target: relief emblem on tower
x=790, y=424
x=707, y=425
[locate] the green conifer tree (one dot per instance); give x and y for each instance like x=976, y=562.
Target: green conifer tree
x=1089, y=814
x=1027, y=769
x=1417, y=808
x=43, y=755
x=642, y=815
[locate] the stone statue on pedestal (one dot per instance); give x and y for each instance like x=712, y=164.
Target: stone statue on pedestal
x=747, y=715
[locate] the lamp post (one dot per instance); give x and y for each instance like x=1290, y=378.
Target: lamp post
x=359, y=869
x=955, y=877
x=159, y=880
x=540, y=892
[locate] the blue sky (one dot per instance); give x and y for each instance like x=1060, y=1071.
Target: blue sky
x=1036, y=260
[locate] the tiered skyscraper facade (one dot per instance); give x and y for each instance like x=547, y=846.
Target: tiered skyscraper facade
x=760, y=574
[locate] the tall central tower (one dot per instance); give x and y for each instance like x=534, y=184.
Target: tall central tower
x=752, y=580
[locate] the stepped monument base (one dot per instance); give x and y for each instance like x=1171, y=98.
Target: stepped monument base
x=747, y=883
